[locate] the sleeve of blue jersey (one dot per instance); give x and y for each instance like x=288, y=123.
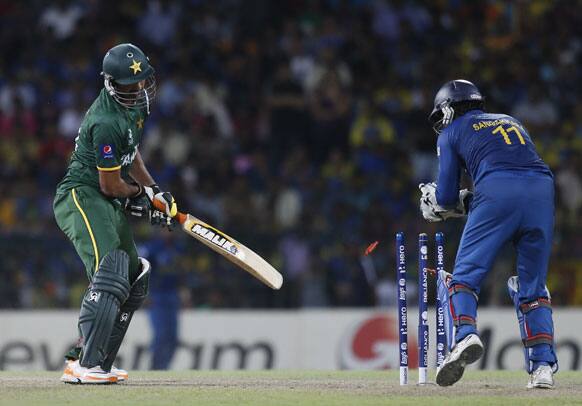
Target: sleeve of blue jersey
x=447, y=193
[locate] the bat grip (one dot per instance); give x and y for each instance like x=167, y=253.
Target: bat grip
x=181, y=217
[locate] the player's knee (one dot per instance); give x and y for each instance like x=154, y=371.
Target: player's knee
x=532, y=295
x=457, y=287
x=469, y=277
x=112, y=276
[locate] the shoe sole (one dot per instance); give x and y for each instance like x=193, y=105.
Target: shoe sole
x=72, y=380
x=66, y=378
x=79, y=382
x=541, y=386
x=453, y=371
x=97, y=382
x=121, y=377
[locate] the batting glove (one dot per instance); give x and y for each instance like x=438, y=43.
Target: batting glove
x=154, y=192
x=157, y=218
x=138, y=206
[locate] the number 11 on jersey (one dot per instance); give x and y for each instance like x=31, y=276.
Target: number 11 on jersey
x=505, y=134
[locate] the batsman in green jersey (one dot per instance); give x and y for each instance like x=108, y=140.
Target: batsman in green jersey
x=107, y=180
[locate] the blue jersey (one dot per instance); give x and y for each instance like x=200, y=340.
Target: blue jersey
x=483, y=143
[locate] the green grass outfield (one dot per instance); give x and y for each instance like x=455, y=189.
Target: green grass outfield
x=293, y=388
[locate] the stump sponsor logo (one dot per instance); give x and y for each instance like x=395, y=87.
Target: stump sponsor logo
x=372, y=343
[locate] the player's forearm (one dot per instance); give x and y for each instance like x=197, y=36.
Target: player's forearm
x=139, y=172
x=447, y=192
x=118, y=188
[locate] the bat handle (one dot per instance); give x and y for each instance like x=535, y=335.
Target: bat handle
x=181, y=217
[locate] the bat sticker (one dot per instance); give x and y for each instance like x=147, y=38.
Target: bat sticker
x=215, y=238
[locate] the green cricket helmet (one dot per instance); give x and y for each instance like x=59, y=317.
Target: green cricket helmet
x=126, y=64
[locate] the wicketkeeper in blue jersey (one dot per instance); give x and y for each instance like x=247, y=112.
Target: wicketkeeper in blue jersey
x=512, y=201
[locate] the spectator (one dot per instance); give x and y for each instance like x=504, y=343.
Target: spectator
x=159, y=24
x=330, y=107
x=288, y=114
x=570, y=186
x=300, y=129
x=209, y=100
x=536, y=111
x=164, y=300
x=61, y=18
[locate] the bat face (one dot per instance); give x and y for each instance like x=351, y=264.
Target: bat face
x=215, y=237
x=228, y=247
x=233, y=250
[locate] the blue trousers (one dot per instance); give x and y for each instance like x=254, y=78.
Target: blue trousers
x=517, y=209
x=164, y=309
x=507, y=207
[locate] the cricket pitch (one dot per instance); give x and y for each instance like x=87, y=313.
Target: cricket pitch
x=293, y=388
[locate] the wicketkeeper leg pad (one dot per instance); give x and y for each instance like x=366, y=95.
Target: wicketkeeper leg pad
x=137, y=295
x=535, y=325
x=108, y=291
x=443, y=281
x=460, y=308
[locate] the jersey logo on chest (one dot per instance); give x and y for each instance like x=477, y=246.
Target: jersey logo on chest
x=127, y=159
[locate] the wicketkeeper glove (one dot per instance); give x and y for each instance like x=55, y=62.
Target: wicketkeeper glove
x=433, y=212
x=154, y=192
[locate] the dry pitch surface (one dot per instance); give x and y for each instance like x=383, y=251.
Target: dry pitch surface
x=294, y=388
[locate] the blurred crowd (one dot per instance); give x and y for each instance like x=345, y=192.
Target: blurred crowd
x=297, y=126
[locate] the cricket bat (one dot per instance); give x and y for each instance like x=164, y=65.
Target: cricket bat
x=228, y=247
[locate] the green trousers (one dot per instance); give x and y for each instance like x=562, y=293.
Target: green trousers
x=95, y=226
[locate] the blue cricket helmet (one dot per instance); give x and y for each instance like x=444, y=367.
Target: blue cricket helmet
x=450, y=97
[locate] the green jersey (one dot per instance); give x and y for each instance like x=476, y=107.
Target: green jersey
x=108, y=140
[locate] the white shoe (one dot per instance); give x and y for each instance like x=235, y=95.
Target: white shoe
x=467, y=351
x=69, y=374
x=121, y=374
x=75, y=373
x=542, y=378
